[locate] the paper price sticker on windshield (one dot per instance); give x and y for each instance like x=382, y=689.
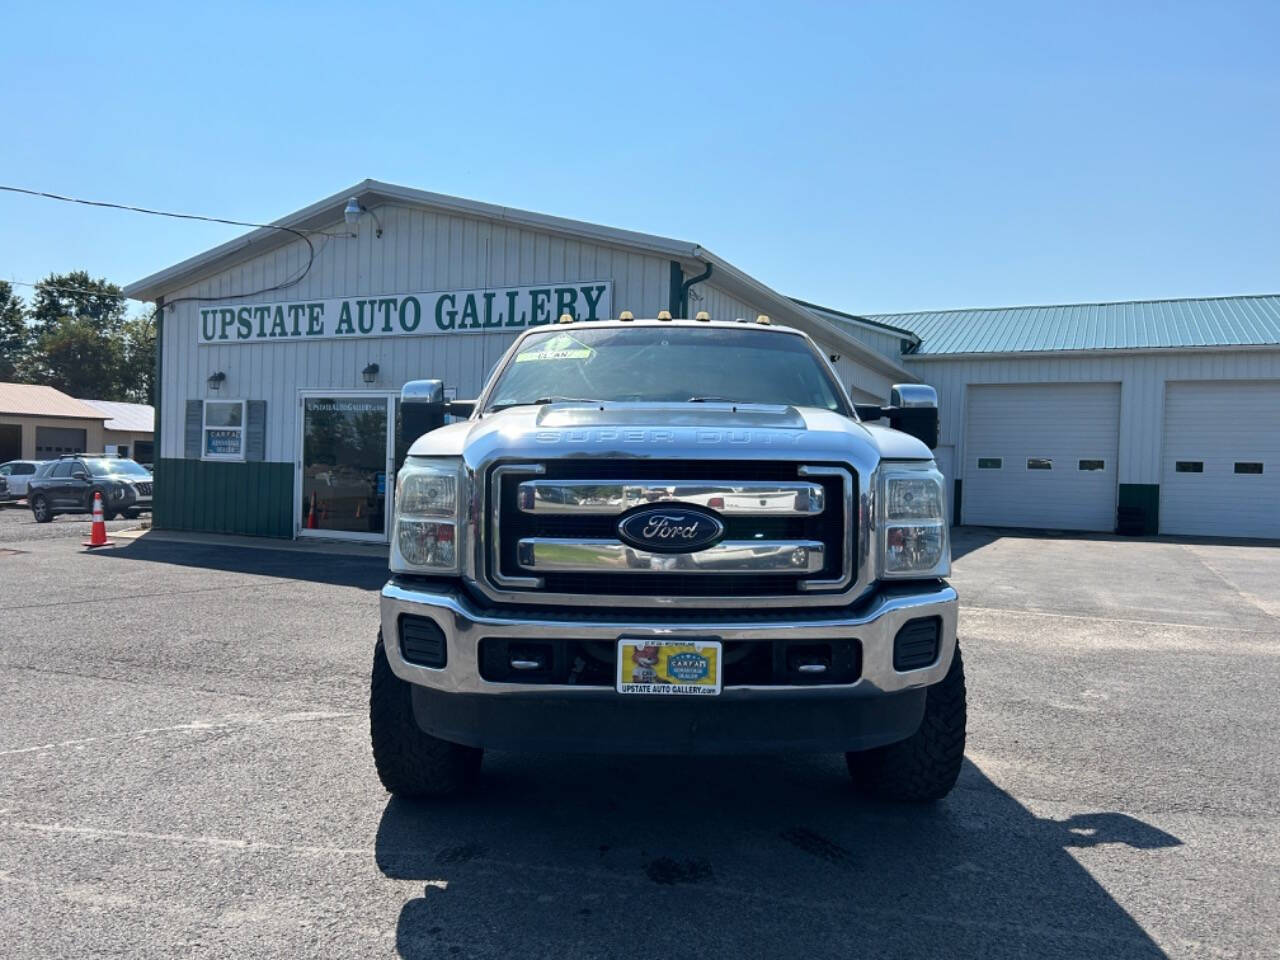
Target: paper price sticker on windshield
x=669, y=667
x=560, y=347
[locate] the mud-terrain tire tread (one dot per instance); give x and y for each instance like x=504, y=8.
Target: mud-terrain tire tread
x=924, y=767
x=410, y=763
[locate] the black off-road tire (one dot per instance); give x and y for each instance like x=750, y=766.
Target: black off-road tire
x=40, y=509
x=924, y=767
x=410, y=763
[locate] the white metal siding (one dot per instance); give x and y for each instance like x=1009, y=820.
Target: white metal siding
x=1142, y=376
x=881, y=341
x=1218, y=424
x=720, y=305
x=419, y=251
x=1063, y=423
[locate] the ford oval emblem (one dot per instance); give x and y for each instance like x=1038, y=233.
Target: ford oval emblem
x=670, y=529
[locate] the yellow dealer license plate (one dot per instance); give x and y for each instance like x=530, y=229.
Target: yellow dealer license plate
x=689, y=668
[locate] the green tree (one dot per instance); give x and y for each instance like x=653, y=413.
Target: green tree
x=15, y=336
x=138, y=369
x=101, y=304
x=76, y=358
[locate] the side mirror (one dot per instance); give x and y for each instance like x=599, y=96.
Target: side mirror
x=422, y=408
x=79, y=475
x=913, y=409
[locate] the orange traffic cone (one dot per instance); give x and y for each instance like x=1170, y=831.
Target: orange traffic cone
x=98, y=535
x=311, y=515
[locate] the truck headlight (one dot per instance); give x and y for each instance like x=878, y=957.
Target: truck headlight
x=913, y=522
x=427, y=516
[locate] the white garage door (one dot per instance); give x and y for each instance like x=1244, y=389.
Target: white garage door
x=1042, y=455
x=1221, y=471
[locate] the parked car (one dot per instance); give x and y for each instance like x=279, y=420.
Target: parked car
x=67, y=485
x=14, y=476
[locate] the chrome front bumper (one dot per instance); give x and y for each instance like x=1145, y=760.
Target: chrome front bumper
x=874, y=622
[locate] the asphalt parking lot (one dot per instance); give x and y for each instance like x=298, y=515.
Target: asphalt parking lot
x=185, y=770
x=17, y=523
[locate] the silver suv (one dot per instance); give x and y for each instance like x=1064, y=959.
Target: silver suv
x=668, y=537
x=14, y=477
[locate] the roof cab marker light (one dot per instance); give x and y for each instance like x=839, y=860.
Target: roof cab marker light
x=763, y=320
x=703, y=316
x=566, y=318
x=664, y=314
x=625, y=315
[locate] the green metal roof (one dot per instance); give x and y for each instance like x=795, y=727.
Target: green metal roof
x=1131, y=325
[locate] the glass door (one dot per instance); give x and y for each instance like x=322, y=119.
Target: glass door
x=347, y=448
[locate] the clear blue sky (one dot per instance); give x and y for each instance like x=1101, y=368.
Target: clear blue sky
x=869, y=156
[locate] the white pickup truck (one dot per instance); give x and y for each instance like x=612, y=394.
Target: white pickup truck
x=668, y=536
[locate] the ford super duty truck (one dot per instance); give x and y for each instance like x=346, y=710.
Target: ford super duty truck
x=668, y=536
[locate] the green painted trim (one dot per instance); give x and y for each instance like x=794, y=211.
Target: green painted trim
x=955, y=520
x=1138, y=509
x=250, y=498
x=156, y=405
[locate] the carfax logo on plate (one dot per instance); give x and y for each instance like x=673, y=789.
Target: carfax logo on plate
x=688, y=667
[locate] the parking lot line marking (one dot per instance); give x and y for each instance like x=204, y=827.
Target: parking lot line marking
x=226, y=723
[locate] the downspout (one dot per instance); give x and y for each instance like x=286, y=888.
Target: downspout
x=684, y=292
x=673, y=289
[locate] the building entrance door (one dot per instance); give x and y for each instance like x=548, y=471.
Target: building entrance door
x=346, y=471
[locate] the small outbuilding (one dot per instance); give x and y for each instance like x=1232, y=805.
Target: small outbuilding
x=129, y=430
x=40, y=423
x=1152, y=416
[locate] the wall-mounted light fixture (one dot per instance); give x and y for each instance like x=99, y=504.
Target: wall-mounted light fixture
x=370, y=373
x=352, y=213
x=216, y=380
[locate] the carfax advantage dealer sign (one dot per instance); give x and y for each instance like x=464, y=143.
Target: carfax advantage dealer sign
x=448, y=311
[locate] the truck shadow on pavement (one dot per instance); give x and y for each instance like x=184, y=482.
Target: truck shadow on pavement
x=365, y=573
x=750, y=857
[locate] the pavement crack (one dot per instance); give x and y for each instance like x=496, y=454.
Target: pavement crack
x=117, y=597
x=194, y=726
x=1231, y=584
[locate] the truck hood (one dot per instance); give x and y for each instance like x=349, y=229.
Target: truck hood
x=669, y=430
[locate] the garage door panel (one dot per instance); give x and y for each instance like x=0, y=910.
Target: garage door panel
x=1210, y=426
x=1057, y=425
x=52, y=442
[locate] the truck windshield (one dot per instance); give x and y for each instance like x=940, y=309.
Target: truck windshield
x=666, y=364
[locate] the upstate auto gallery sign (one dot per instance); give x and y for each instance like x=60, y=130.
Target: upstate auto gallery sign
x=411, y=314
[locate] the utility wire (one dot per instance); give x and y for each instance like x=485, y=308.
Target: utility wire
x=311, y=259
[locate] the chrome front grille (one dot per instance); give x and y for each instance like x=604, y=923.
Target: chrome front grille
x=789, y=528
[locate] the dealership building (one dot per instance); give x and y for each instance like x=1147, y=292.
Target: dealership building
x=281, y=355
